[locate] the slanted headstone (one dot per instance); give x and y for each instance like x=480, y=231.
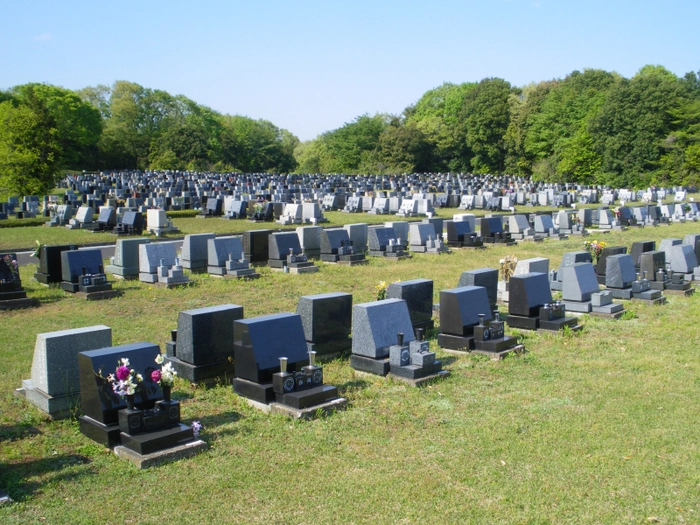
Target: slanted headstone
x=203, y=350
x=336, y=247
x=535, y=264
x=640, y=247
x=375, y=326
x=358, y=235
x=568, y=259
x=54, y=386
x=226, y=258
x=194, y=254
x=310, y=240
x=486, y=277
x=530, y=305
x=83, y=272
x=459, y=314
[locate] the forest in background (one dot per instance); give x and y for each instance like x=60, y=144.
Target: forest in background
x=591, y=127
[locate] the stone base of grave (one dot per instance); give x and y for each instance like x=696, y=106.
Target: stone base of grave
x=503, y=344
x=222, y=273
x=75, y=287
x=578, y=307
x=362, y=363
x=490, y=240
x=98, y=296
x=158, y=441
x=144, y=461
x=425, y=325
x=522, y=322
x=421, y=380
x=352, y=262
x=456, y=342
x=620, y=293
x=497, y=356
x=194, y=266
x=173, y=284
x=415, y=372
x=687, y=292
x=308, y=398
x=57, y=407
x=15, y=304
x=303, y=269
x=258, y=392
x=466, y=246
x=4, y=498
x=328, y=407
x=555, y=285
x=616, y=314
x=557, y=325
x=395, y=256
x=107, y=435
x=417, y=248
x=150, y=278
x=208, y=374
x=43, y=278
x=123, y=272
x=330, y=349
x=653, y=296
x=657, y=285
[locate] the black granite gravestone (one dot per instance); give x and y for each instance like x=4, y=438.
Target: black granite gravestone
x=82, y=270
x=327, y=322
x=459, y=314
x=486, y=277
x=256, y=245
x=49, y=270
x=418, y=294
x=640, y=247
x=204, y=349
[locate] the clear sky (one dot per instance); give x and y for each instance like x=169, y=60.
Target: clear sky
x=311, y=66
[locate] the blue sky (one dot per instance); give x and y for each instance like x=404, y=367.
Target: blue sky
x=311, y=66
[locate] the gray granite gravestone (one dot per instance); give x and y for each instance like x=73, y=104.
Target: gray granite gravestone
x=54, y=386
x=150, y=257
x=194, y=254
x=418, y=294
x=125, y=262
x=327, y=321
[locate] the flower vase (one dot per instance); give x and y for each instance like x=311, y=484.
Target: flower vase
x=166, y=392
x=130, y=401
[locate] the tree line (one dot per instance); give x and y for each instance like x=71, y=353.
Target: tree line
x=591, y=127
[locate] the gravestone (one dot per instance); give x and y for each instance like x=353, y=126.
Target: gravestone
x=579, y=282
x=83, y=272
x=12, y=295
x=654, y=264
x=256, y=245
x=461, y=235
x=194, y=255
x=424, y=240
x=683, y=260
x=100, y=404
x=327, y=322
x=107, y=218
x=383, y=242
x=535, y=264
x=49, y=270
x=606, y=252
x=130, y=224
x=125, y=262
x=358, y=235
x=530, y=305
x=203, y=349
x=665, y=246
x=150, y=257
x=336, y=247
x=310, y=240
x=519, y=227
x=414, y=363
x=568, y=259
x=492, y=231
x=459, y=314
x=375, y=326
x=693, y=240
x=286, y=255
x=273, y=365
x=226, y=258
x=54, y=386
x=486, y=277
x=640, y=247
x=418, y=294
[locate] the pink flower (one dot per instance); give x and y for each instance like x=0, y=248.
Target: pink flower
x=123, y=372
x=155, y=375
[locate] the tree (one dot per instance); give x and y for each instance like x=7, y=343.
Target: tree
x=487, y=117
x=404, y=148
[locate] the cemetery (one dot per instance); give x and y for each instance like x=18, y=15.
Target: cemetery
x=266, y=371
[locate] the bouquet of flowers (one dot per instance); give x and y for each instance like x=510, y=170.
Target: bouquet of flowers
x=12, y=265
x=165, y=375
x=381, y=290
x=507, y=266
x=595, y=248
x=124, y=380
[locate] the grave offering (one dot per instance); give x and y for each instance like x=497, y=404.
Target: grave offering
x=327, y=321
x=130, y=224
x=201, y=350
x=492, y=231
x=286, y=254
x=194, y=254
x=374, y=329
x=461, y=235
x=336, y=247
x=256, y=245
x=580, y=285
x=459, y=314
x=125, y=262
x=54, y=386
x=83, y=275
x=414, y=363
x=418, y=294
x=383, y=242
x=276, y=372
x=12, y=295
x=227, y=259
x=568, y=259
x=623, y=283
x=486, y=277
x=423, y=239
x=530, y=306
x=49, y=270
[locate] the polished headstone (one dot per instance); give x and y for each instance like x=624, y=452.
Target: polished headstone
x=486, y=277
x=460, y=309
x=375, y=325
x=579, y=282
x=619, y=271
x=326, y=317
x=527, y=293
x=418, y=294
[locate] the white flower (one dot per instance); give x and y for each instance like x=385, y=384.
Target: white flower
x=159, y=359
x=125, y=361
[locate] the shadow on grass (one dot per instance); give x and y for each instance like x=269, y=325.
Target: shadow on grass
x=357, y=383
x=448, y=359
x=212, y=424
x=14, y=478
x=12, y=432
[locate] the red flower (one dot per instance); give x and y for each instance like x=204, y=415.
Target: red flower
x=155, y=375
x=123, y=373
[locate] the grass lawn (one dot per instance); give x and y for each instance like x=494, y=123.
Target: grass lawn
x=595, y=427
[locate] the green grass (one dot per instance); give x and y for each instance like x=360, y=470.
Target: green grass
x=594, y=427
